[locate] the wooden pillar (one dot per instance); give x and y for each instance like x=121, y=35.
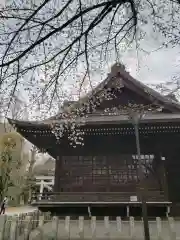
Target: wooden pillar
x=58, y=172
x=165, y=181
x=161, y=156
x=171, y=152
x=172, y=169
x=161, y=172
x=108, y=175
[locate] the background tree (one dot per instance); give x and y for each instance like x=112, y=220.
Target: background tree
x=171, y=88
x=12, y=167
x=29, y=180
x=17, y=167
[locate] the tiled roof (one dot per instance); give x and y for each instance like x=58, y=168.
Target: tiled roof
x=126, y=80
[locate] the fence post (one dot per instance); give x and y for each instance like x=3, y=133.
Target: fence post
x=13, y=228
x=131, y=226
x=7, y=227
x=67, y=226
x=93, y=227
x=27, y=227
x=3, y=219
x=39, y=228
x=159, y=227
x=106, y=224
x=20, y=223
x=35, y=219
x=55, y=225
x=23, y=223
x=119, y=224
x=81, y=227
x=171, y=228
x=41, y=221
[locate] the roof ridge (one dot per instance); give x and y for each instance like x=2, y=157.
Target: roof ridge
x=150, y=90
x=116, y=69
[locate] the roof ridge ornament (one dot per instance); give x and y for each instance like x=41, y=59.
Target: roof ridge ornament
x=116, y=68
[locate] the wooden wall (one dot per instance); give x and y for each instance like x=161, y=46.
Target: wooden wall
x=115, y=173
x=109, y=164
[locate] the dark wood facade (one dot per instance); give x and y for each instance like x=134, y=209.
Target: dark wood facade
x=106, y=166
x=108, y=162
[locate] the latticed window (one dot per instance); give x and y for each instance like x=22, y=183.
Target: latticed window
x=103, y=170
x=119, y=178
x=146, y=161
x=100, y=171
x=70, y=160
x=99, y=160
x=78, y=180
x=87, y=160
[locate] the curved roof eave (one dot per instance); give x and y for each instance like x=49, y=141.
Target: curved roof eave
x=117, y=71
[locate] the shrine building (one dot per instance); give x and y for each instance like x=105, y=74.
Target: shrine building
x=94, y=143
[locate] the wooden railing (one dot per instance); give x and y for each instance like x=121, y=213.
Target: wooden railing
x=151, y=196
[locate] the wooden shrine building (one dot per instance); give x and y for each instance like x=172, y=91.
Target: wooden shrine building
x=94, y=144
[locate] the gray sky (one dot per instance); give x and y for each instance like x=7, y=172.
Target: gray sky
x=2, y=2
x=158, y=66
x=150, y=68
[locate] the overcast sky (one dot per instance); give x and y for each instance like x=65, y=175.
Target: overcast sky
x=2, y=2
x=159, y=65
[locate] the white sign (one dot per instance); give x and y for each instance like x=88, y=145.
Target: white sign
x=133, y=198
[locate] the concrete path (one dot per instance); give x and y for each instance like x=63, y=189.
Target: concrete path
x=18, y=210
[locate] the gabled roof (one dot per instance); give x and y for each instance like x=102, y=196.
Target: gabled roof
x=38, y=132
x=118, y=77
x=99, y=120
